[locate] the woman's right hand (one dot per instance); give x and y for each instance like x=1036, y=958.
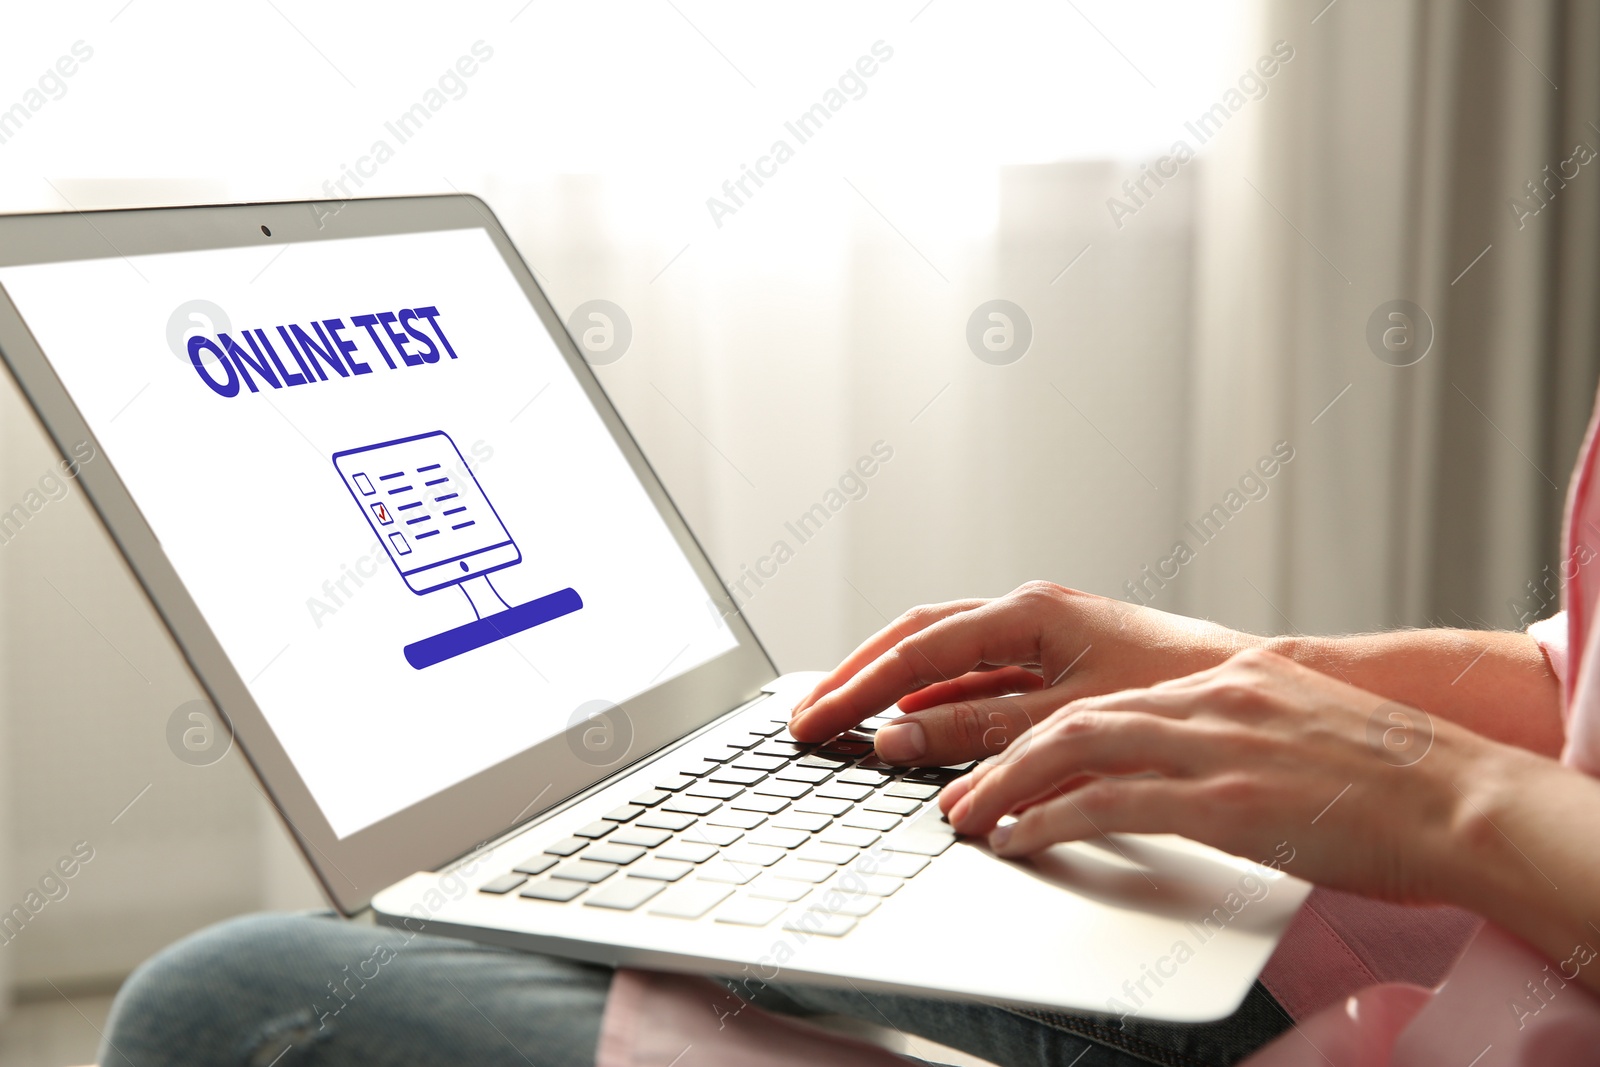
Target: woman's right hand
x=974, y=675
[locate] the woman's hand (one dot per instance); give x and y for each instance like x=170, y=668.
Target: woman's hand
x=1246, y=756
x=976, y=674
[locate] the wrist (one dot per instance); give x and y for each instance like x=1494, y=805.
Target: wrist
x=1479, y=865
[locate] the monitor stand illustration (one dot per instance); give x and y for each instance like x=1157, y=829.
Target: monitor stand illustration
x=430, y=514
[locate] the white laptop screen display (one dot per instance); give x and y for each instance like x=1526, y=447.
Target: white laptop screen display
x=387, y=492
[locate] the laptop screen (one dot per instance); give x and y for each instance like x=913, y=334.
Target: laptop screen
x=380, y=481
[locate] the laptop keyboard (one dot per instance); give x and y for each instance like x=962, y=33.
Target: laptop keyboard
x=751, y=829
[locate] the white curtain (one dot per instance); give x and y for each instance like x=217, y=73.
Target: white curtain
x=1384, y=168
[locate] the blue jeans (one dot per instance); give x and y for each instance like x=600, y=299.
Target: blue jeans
x=288, y=990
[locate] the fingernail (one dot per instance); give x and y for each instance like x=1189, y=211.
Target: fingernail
x=902, y=743
x=1000, y=835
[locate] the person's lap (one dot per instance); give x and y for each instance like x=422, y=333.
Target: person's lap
x=284, y=990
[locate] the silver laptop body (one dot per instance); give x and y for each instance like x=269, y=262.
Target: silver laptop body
x=477, y=659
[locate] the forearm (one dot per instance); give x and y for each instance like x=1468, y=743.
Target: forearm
x=1494, y=683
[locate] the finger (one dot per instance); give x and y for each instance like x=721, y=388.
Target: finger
x=951, y=795
x=968, y=729
x=1080, y=742
x=1104, y=806
x=1176, y=699
x=881, y=642
x=975, y=685
x=1003, y=632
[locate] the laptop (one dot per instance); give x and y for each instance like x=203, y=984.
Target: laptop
x=479, y=662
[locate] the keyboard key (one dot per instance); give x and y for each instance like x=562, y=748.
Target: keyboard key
x=912, y=790
x=778, y=889
x=893, y=805
x=919, y=842
x=665, y=820
x=785, y=750
x=567, y=846
x=818, y=852
x=673, y=784
x=933, y=775
x=824, y=805
x=717, y=790
x=720, y=753
x=876, y=885
x=737, y=776
x=744, y=820
x=809, y=775
x=804, y=870
x=777, y=837
x=503, y=884
x=871, y=820
x=626, y=813
x=824, y=760
x=584, y=871
x=659, y=870
x=844, y=791
x=759, y=802
x=777, y=788
x=690, y=901
x=651, y=797
x=748, y=912
x=535, y=865
x=857, y=776
x=687, y=852
x=848, y=749
x=742, y=740
x=720, y=870
x=692, y=805
x=765, y=729
x=809, y=821
x=642, y=836
x=721, y=836
x=853, y=906
x=760, y=763
x=548, y=889
x=624, y=895
x=698, y=768
x=621, y=855
x=901, y=865
x=848, y=835
x=761, y=856
x=594, y=830
x=818, y=922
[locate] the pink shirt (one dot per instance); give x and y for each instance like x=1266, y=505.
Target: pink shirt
x=1361, y=978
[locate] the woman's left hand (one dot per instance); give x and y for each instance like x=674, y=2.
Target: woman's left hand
x=1247, y=756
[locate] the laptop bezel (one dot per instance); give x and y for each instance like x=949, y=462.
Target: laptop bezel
x=439, y=829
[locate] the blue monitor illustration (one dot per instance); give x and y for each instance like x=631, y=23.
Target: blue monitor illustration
x=428, y=511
